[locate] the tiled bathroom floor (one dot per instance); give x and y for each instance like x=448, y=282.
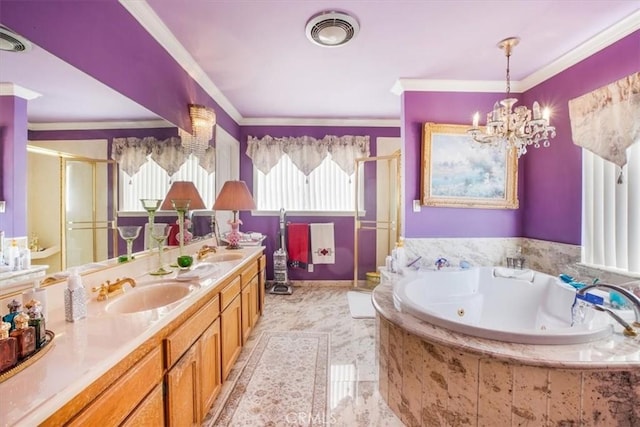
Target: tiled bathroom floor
x=353, y=398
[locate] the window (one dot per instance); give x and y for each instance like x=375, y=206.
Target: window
x=611, y=212
x=153, y=182
x=327, y=188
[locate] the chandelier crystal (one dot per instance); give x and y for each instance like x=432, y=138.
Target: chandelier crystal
x=203, y=119
x=516, y=128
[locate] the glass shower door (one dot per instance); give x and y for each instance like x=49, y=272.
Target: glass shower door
x=88, y=222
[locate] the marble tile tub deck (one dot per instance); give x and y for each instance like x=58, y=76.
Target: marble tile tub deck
x=353, y=397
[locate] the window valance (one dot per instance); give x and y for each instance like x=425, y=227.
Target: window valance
x=131, y=153
x=306, y=152
x=605, y=121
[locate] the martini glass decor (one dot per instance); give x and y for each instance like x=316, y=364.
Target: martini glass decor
x=151, y=206
x=160, y=236
x=129, y=233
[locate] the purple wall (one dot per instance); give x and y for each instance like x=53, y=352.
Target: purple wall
x=449, y=108
x=110, y=45
x=552, y=180
x=269, y=225
x=13, y=159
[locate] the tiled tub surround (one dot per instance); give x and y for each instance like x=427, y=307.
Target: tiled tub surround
x=548, y=257
x=85, y=350
x=432, y=377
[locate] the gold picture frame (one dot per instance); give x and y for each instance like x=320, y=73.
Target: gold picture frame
x=460, y=172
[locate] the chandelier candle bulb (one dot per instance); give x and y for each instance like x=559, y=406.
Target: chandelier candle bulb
x=476, y=118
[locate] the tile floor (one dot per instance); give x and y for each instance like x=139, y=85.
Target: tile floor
x=353, y=399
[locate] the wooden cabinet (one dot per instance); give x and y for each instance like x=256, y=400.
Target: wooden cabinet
x=174, y=377
x=183, y=391
x=210, y=369
x=231, y=334
x=124, y=394
x=150, y=412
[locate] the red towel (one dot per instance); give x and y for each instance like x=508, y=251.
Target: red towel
x=298, y=245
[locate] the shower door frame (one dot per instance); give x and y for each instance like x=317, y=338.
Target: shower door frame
x=390, y=226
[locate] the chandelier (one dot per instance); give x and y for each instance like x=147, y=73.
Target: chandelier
x=203, y=119
x=516, y=128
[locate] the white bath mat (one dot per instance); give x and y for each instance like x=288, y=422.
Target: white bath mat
x=360, y=305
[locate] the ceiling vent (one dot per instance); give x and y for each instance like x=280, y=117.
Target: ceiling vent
x=12, y=42
x=331, y=29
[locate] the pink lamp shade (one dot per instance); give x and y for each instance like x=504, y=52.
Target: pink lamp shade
x=234, y=196
x=183, y=190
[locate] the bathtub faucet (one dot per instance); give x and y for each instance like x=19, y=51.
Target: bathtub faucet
x=634, y=300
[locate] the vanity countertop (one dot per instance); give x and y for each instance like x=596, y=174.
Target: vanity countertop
x=85, y=350
x=614, y=352
x=10, y=277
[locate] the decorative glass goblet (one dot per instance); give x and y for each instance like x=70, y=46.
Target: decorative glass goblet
x=151, y=206
x=160, y=236
x=129, y=233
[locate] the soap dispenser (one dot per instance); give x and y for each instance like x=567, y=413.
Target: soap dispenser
x=75, y=299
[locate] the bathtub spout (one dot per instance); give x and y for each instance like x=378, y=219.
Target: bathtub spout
x=634, y=300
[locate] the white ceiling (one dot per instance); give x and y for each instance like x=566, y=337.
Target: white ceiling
x=257, y=62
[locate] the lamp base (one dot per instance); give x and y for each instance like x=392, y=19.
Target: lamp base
x=234, y=236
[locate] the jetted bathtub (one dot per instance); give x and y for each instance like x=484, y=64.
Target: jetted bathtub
x=531, y=308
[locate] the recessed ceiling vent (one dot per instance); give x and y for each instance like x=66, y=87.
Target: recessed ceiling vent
x=331, y=29
x=12, y=42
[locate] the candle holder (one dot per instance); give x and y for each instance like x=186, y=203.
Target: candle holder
x=182, y=207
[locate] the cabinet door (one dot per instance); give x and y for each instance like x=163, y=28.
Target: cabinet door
x=183, y=390
x=247, y=313
x=210, y=370
x=150, y=412
x=231, y=334
x=255, y=301
x=262, y=281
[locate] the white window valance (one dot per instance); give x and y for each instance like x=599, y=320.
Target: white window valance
x=606, y=121
x=131, y=153
x=306, y=152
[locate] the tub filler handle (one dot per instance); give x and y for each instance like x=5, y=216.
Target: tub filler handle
x=630, y=296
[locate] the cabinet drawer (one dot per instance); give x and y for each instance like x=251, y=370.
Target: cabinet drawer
x=229, y=293
x=120, y=399
x=249, y=273
x=187, y=333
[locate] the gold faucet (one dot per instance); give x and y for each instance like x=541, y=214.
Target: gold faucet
x=105, y=290
x=204, y=250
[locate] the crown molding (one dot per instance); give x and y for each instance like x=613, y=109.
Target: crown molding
x=142, y=124
x=11, y=89
x=150, y=21
x=422, y=85
x=275, y=121
x=595, y=44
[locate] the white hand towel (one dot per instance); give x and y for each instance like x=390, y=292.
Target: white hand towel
x=323, y=249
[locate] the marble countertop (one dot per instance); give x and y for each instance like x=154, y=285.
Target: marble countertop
x=83, y=351
x=617, y=351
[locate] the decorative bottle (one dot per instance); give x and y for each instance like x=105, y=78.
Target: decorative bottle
x=34, y=310
x=8, y=347
x=14, y=309
x=25, y=334
x=75, y=299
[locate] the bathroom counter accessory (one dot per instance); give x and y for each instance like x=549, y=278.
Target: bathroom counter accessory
x=30, y=360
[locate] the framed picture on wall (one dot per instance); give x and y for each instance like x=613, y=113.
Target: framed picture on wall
x=457, y=171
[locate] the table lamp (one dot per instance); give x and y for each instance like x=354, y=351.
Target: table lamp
x=182, y=196
x=234, y=196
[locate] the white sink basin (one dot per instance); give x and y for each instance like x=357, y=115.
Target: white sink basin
x=228, y=256
x=150, y=296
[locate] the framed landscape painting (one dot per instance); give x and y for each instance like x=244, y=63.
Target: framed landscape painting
x=460, y=172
